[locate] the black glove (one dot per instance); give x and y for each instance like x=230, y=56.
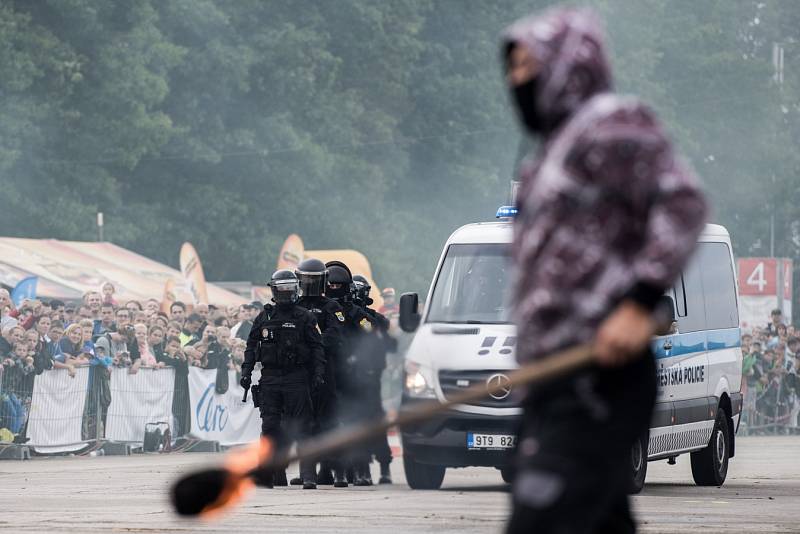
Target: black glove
x=245, y=381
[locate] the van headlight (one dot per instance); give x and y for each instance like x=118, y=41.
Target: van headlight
x=416, y=385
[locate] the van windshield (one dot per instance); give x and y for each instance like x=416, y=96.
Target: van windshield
x=473, y=285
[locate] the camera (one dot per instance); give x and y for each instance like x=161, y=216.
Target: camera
x=212, y=338
x=128, y=330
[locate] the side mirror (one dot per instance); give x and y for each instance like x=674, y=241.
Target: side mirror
x=409, y=312
x=665, y=315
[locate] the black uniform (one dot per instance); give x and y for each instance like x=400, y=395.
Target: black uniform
x=353, y=373
x=374, y=368
x=287, y=342
x=330, y=318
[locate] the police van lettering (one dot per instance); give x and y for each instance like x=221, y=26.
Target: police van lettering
x=678, y=375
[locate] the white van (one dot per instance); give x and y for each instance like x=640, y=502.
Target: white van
x=464, y=336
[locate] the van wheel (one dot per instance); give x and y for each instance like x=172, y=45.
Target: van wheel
x=638, y=465
x=508, y=474
x=710, y=465
x=423, y=476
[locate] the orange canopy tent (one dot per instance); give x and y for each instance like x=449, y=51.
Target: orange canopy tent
x=67, y=269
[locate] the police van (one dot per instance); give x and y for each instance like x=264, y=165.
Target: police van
x=464, y=336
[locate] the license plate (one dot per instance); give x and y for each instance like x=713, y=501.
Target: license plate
x=490, y=441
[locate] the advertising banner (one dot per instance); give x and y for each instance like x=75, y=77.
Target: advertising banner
x=56, y=412
x=192, y=271
x=221, y=417
x=138, y=399
x=292, y=253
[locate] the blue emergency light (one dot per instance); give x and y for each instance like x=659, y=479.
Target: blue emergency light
x=506, y=212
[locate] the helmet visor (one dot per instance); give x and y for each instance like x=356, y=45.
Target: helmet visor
x=312, y=285
x=284, y=291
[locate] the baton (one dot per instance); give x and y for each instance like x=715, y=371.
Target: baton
x=246, y=390
x=208, y=492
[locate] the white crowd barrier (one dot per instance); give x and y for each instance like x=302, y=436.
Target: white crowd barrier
x=67, y=414
x=138, y=399
x=57, y=411
x=221, y=417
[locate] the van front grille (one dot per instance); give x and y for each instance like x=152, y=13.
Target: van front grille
x=452, y=382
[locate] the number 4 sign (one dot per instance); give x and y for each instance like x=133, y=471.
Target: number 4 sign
x=758, y=276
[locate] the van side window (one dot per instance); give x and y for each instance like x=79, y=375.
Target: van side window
x=679, y=297
x=694, y=316
x=719, y=286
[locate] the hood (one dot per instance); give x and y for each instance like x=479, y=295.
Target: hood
x=569, y=45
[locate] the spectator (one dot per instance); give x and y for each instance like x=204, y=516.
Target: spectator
x=108, y=294
x=69, y=315
x=87, y=333
x=173, y=330
x=159, y=319
x=57, y=313
x=93, y=301
x=777, y=319
x=177, y=312
x=133, y=306
x=83, y=313
x=106, y=323
x=152, y=307
x=71, y=346
x=242, y=329
x=791, y=354
x=191, y=330
x=155, y=339
x=146, y=356
x=201, y=310
x=11, y=336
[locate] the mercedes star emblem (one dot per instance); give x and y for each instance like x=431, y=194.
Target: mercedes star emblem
x=499, y=386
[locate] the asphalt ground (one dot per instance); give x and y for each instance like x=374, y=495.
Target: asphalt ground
x=129, y=494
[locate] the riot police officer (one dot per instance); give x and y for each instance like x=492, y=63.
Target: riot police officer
x=372, y=369
x=312, y=275
x=351, y=384
x=286, y=340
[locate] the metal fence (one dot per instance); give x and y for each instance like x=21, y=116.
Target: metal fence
x=111, y=411
x=770, y=410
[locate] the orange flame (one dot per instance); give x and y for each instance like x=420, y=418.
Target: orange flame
x=238, y=463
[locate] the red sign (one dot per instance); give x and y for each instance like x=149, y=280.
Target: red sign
x=758, y=276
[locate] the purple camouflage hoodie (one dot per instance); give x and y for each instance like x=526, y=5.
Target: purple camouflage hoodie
x=606, y=211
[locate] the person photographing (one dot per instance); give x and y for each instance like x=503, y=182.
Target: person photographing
x=607, y=217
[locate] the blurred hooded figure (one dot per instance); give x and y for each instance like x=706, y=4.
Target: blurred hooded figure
x=608, y=216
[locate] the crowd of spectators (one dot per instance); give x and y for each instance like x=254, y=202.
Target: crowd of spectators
x=770, y=368
x=111, y=336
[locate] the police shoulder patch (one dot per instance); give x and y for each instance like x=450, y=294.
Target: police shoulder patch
x=340, y=316
x=365, y=324
x=265, y=333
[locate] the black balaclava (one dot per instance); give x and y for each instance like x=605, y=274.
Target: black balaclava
x=525, y=100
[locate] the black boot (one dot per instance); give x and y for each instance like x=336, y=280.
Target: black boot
x=351, y=475
x=280, y=478
x=325, y=476
x=363, y=477
x=263, y=478
x=296, y=481
x=386, y=475
x=339, y=480
x=309, y=484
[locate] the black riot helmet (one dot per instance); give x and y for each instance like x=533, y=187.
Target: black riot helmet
x=285, y=287
x=311, y=273
x=361, y=289
x=340, y=281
